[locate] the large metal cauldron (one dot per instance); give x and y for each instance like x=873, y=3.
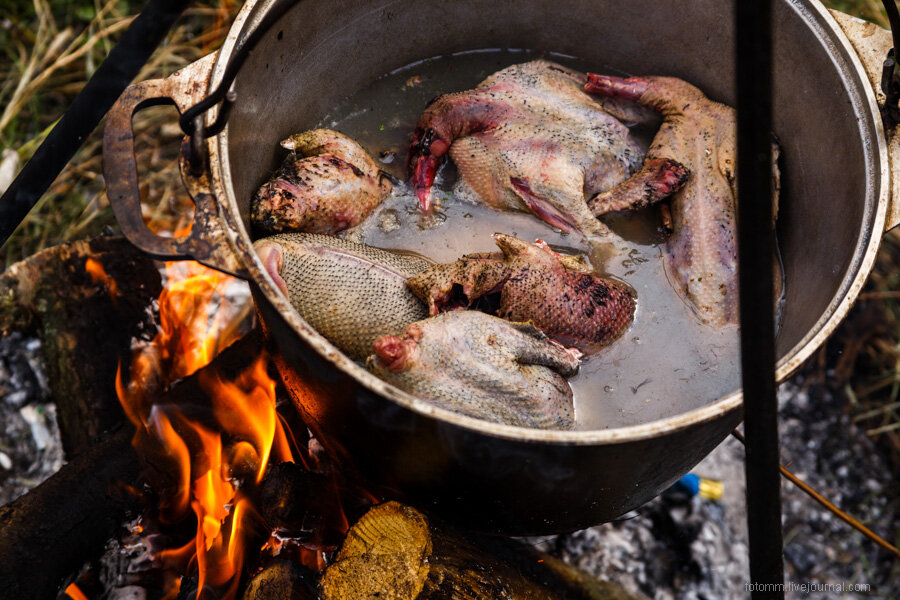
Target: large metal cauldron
x=835, y=206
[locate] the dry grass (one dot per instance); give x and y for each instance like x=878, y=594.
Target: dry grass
x=50, y=52
x=871, y=10
x=49, y=48
x=868, y=363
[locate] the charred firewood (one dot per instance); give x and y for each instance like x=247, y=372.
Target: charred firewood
x=49, y=532
x=85, y=300
x=305, y=507
x=288, y=497
x=395, y=551
x=281, y=580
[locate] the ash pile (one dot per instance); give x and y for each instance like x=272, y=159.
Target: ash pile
x=691, y=548
x=30, y=448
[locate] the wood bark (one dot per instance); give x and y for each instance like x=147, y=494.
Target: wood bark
x=85, y=321
x=394, y=552
x=49, y=533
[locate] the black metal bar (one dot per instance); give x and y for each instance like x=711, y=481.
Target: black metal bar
x=113, y=75
x=890, y=75
x=756, y=243
x=893, y=15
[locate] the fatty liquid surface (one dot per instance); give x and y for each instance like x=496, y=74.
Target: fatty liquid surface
x=666, y=363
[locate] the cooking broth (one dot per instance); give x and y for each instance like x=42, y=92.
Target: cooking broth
x=666, y=354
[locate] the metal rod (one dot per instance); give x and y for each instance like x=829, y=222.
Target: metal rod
x=240, y=54
x=890, y=9
x=812, y=493
x=890, y=76
x=756, y=243
x=113, y=75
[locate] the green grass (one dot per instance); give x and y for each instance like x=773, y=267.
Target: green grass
x=48, y=50
x=871, y=10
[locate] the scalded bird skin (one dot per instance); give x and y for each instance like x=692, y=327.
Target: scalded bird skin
x=701, y=253
x=328, y=183
x=530, y=138
x=537, y=285
x=350, y=293
x=483, y=367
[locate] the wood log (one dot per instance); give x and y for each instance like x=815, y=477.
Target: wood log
x=50, y=532
x=576, y=582
x=395, y=552
x=289, y=499
x=161, y=469
x=281, y=580
x=85, y=300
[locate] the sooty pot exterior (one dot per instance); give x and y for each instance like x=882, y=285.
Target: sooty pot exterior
x=835, y=196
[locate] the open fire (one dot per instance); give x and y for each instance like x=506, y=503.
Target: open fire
x=210, y=456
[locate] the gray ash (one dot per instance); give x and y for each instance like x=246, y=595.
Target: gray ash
x=679, y=548
x=30, y=450
x=826, y=449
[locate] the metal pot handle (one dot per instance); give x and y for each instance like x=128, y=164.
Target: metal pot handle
x=871, y=44
x=207, y=242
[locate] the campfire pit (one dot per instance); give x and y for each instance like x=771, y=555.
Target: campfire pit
x=234, y=460
x=207, y=486
x=466, y=469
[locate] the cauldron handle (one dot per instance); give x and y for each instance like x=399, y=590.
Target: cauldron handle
x=871, y=44
x=208, y=241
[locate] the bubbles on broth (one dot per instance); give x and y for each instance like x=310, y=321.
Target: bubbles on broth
x=665, y=364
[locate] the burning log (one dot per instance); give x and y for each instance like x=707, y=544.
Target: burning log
x=205, y=432
x=282, y=580
x=86, y=300
x=48, y=533
x=288, y=497
x=395, y=552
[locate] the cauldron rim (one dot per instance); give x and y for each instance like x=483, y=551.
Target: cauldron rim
x=851, y=285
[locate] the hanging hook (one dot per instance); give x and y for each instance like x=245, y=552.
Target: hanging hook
x=198, y=132
x=191, y=121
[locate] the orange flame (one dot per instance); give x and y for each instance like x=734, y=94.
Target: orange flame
x=189, y=327
x=209, y=459
x=74, y=592
x=206, y=460
x=98, y=275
